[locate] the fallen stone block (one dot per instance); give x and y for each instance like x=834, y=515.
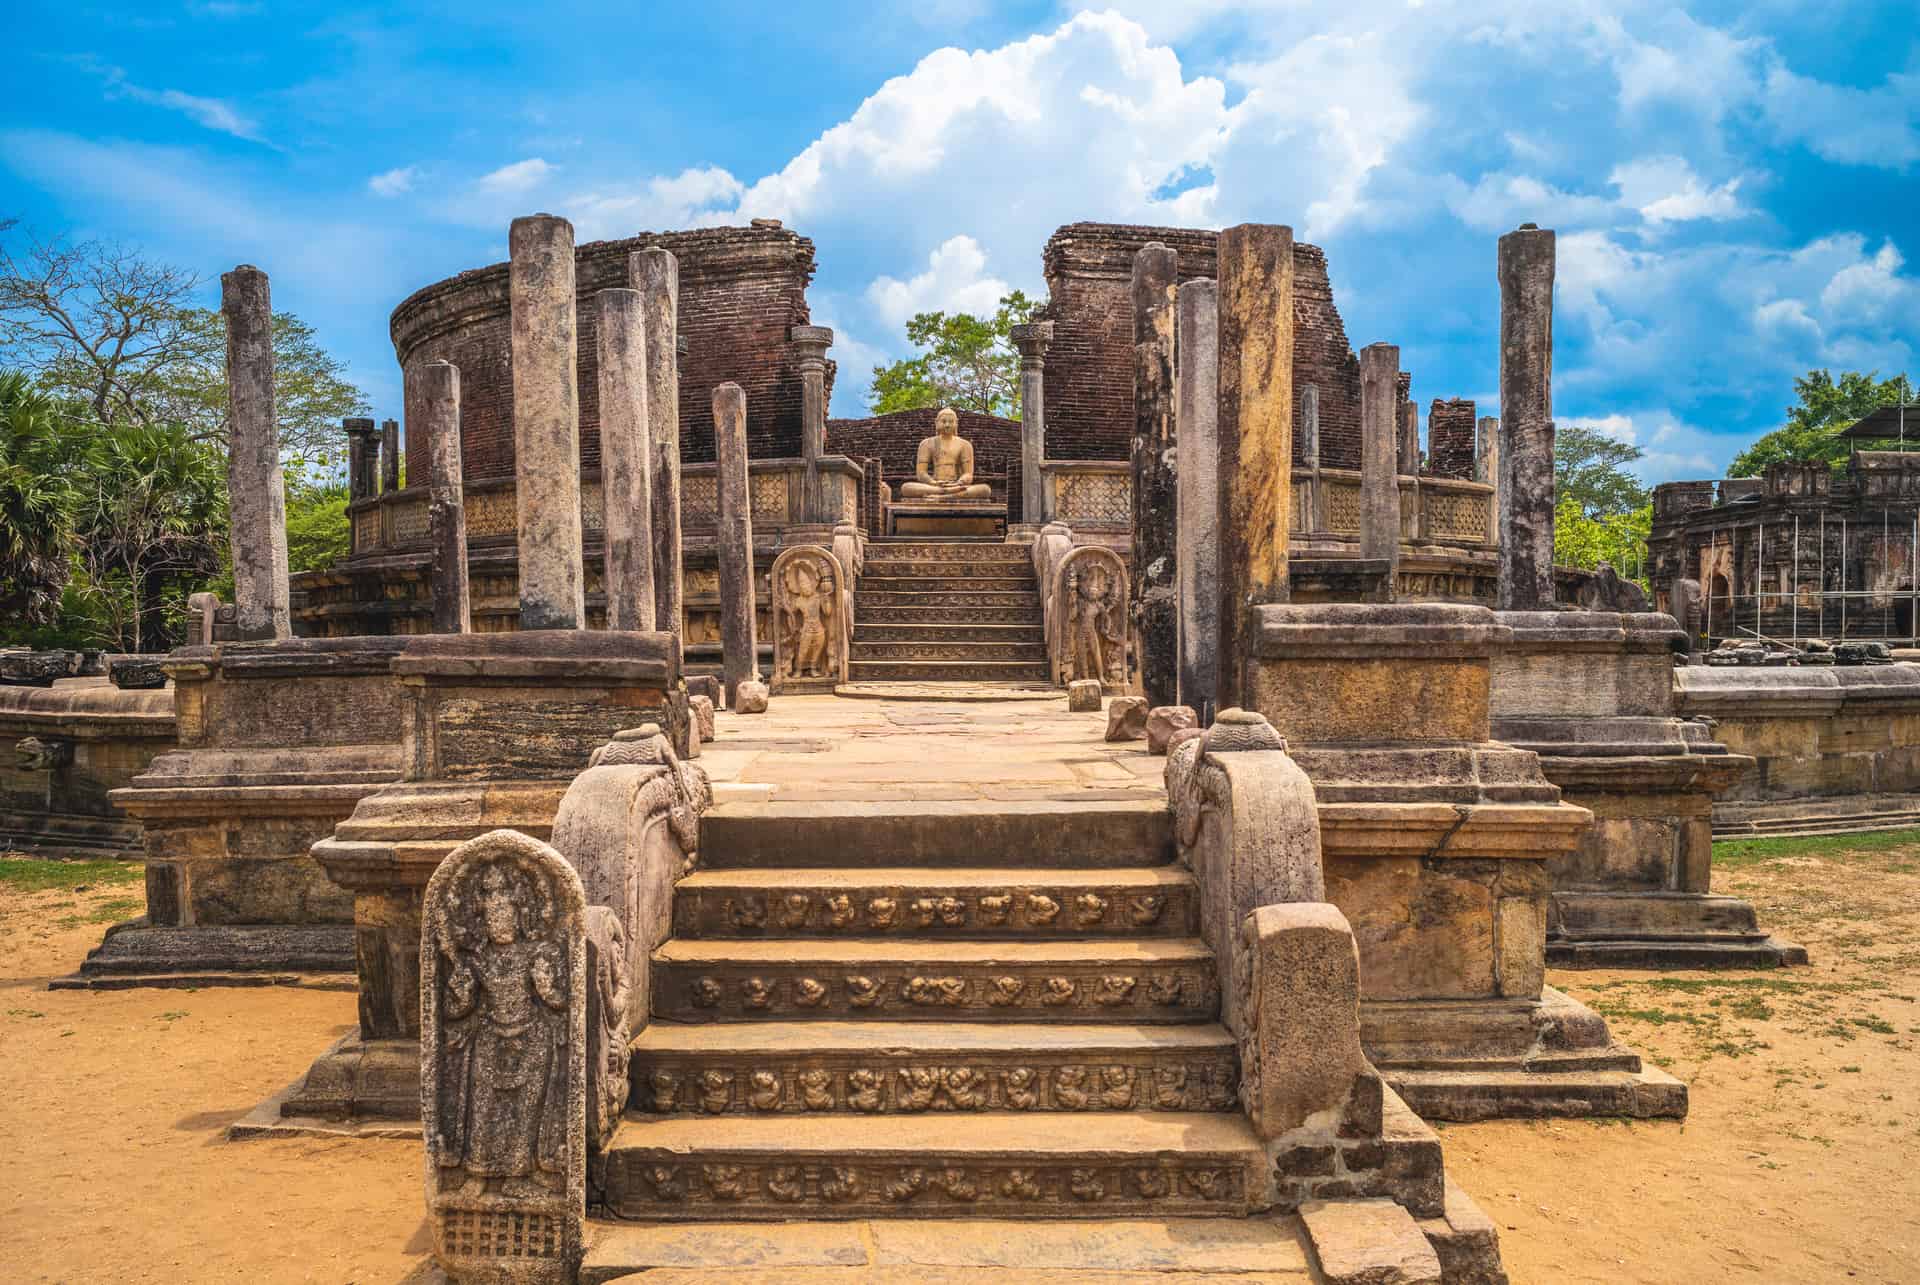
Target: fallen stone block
x=1163, y=721
x=1127, y=718
x=750, y=697
x=1369, y=1242
x=702, y=709
x=1083, y=695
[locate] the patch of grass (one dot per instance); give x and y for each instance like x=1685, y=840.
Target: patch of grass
x=35, y=874
x=1732, y=854
x=111, y=911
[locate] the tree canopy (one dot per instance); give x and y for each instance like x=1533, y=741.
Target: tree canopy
x=966, y=362
x=1590, y=470
x=1826, y=406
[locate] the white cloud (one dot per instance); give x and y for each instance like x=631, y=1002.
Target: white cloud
x=1870, y=288
x=1500, y=202
x=212, y=113
x=1664, y=189
x=395, y=182
x=956, y=280
x=691, y=198
x=521, y=176
x=1879, y=126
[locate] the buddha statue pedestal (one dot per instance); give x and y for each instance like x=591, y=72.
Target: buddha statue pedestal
x=943, y=500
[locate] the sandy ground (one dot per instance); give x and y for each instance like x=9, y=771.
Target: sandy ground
x=1800, y=1162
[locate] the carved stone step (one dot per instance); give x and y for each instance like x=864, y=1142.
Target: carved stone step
x=891, y=566
x=871, y=583
x=955, y=671
x=911, y=901
x=1108, y=980
x=997, y=1164
x=867, y=1068
x=968, y=833
x=868, y=598
x=926, y=614
x=963, y=553
x=969, y=652
x=942, y=631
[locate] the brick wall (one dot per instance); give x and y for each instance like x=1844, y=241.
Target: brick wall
x=741, y=292
x=1089, y=379
x=1451, y=429
x=895, y=440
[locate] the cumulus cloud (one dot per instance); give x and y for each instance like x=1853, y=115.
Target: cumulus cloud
x=521, y=176
x=1878, y=126
x=1664, y=189
x=395, y=182
x=956, y=280
x=692, y=198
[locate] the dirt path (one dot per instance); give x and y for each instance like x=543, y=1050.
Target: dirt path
x=1800, y=1161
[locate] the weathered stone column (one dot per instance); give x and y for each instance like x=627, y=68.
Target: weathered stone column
x=655, y=273
x=1197, y=493
x=1486, y=468
x=363, y=459
x=433, y=417
x=1032, y=340
x=1256, y=437
x=1155, y=526
x=739, y=647
x=256, y=492
x=1379, y=460
x=1526, y=419
x=626, y=460
x=390, y=457
x=546, y=423
x=1409, y=437
x=810, y=355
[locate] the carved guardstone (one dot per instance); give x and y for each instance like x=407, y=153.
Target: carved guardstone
x=503, y=989
x=810, y=632
x=1087, y=618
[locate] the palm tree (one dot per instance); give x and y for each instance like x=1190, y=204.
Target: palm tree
x=36, y=501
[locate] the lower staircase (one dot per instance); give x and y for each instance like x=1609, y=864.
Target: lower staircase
x=948, y=611
x=1007, y=1016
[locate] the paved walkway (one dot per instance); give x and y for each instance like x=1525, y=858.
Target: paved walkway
x=835, y=749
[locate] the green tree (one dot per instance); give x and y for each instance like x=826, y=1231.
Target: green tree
x=318, y=531
x=36, y=503
x=1826, y=406
x=103, y=325
x=1580, y=540
x=966, y=362
x=1590, y=470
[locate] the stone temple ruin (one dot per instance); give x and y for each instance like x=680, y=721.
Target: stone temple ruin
x=494, y=770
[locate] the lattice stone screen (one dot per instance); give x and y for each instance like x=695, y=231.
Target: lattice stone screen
x=1343, y=507
x=1454, y=516
x=1093, y=497
x=769, y=496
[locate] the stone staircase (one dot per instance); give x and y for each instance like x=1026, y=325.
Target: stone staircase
x=937, y=611
x=1009, y=1016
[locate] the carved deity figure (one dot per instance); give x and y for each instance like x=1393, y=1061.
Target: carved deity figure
x=503, y=1056
x=1096, y=645
x=943, y=466
x=806, y=617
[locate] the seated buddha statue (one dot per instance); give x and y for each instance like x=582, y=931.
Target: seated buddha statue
x=943, y=467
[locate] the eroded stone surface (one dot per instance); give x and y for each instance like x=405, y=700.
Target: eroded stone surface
x=1165, y=720
x=1369, y=1242
x=750, y=697
x=1127, y=718
x=1083, y=695
x=257, y=492
x=546, y=423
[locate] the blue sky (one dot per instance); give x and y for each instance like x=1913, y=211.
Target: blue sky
x=1734, y=183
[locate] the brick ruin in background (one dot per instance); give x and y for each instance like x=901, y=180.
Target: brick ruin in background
x=1451, y=435
x=892, y=439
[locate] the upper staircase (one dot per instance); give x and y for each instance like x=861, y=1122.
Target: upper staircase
x=927, y=1036
x=948, y=611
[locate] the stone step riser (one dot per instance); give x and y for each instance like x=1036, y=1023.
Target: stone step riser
x=940, y=573
x=903, y=1081
x=894, y=550
x=952, y=990
x=866, y=601
x=922, y=617
x=656, y=1184
x=1016, y=632
x=872, y=584
x=1027, y=910
x=962, y=652
x=952, y=672
x=934, y=836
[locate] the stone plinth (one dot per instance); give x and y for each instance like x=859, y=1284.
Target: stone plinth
x=1592, y=694
x=278, y=741
x=1437, y=843
x=495, y=727
x=938, y=520
x=71, y=747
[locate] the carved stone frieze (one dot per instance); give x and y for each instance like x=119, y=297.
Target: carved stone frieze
x=1090, y=991
x=1014, y=910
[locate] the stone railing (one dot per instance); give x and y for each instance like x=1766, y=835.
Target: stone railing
x=397, y=521
x=1433, y=510
x=1090, y=494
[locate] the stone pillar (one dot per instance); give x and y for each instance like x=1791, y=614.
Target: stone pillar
x=546, y=423
x=363, y=459
x=1255, y=427
x=626, y=460
x=1310, y=426
x=1155, y=273
x=739, y=647
x=810, y=355
x=433, y=417
x=1526, y=419
x=1032, y=340
x=655, y=273
x=1486, y=468
x=1197, y=493
x=390, y=457
x=1409, y=452
x=256, y=492
x=1379, y=485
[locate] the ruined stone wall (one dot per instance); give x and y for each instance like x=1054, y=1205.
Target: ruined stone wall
x=895, y=439
x=1089, y=379
x=1451, y=428
x=741, y=291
